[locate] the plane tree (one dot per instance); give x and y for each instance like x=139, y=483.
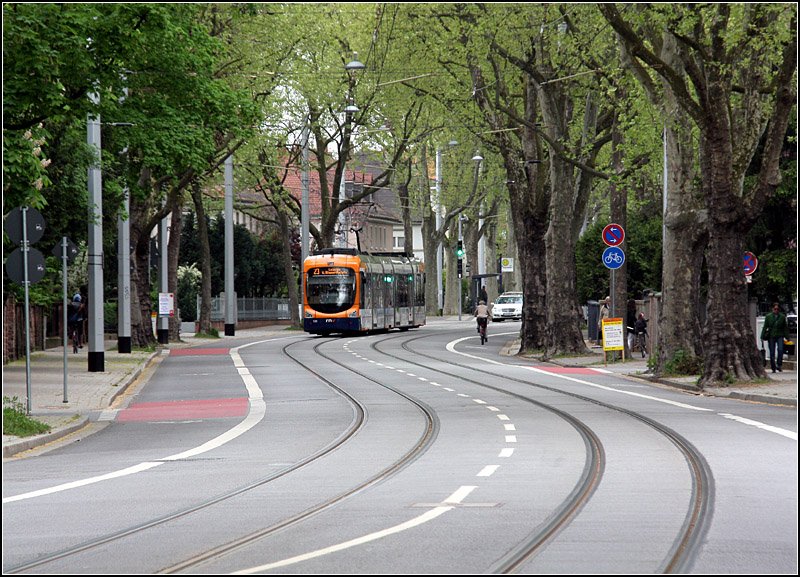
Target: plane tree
x=733, y=73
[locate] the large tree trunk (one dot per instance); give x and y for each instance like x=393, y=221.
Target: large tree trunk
x=564, y=334
x=205, y=260
x=288, y=270
x=528, y=200
x=141, y=325
x=685, y=238
x=452, y=282
x=730, y=343
x=732, y=123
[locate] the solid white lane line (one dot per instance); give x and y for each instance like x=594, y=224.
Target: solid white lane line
x=777, y=430
x=254, y=416
x=451, y=347
x=765, y=427
x=447, y=505
x=75, y=484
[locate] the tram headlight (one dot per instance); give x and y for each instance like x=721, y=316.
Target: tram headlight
x=353, y=314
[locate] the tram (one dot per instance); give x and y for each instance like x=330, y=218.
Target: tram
x=348, y=291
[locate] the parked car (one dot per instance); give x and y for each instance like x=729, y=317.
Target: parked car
x=507, y=306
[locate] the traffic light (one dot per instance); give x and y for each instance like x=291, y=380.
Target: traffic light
x=460, y=250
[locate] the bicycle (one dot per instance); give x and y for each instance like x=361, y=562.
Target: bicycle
x=641, y=341
x=482, y=323
x=76, y=338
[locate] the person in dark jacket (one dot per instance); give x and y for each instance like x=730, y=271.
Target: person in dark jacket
x=76, y=318
x=641, y=333
x=774, y=331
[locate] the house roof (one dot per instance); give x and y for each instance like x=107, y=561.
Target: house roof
x=381, y=205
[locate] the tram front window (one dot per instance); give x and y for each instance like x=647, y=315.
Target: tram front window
x=331, y=289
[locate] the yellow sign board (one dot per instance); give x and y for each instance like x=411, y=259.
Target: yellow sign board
x=613, y=335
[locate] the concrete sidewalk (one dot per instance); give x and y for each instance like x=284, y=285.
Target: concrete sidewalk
x=779, y=389
x=88, y=394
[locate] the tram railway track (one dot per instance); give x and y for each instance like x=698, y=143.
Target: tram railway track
x=678, y=559
x=698, y=516
x=354, y=427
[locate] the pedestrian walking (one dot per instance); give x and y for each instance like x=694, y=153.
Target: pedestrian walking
x=605, y=312
x=774, y=332
x=630, y=324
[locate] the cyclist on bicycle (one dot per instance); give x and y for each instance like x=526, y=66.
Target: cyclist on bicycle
x=75, y=321
x=482, y=314
x=641, y=333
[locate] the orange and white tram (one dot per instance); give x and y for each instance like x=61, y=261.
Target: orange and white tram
x=347, y=291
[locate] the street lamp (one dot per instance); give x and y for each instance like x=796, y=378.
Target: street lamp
x=351, y=68
x=477, y=159
x=438, y=214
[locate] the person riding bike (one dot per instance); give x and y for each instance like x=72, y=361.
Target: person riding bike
x=641, y=333
x=482, y=314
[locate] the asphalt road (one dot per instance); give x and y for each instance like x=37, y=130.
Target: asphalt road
x=407, y=452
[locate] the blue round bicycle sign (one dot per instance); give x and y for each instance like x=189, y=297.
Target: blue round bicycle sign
x=613, y=257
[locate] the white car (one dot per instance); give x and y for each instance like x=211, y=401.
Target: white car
x=507, y=306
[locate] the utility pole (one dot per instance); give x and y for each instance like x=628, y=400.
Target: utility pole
x=230, y=296
x=94, y=311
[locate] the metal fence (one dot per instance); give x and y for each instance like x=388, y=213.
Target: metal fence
x=251, y=309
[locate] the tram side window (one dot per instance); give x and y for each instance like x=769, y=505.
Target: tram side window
x=364, y=290
x=377, y=283
x=402, y=291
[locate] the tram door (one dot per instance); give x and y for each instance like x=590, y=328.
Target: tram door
x=376, y=272
x=389, y=294
x=367, y=317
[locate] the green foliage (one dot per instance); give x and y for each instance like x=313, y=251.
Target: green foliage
x=189, y=280
x=17, y=423
x=211, y=334
x=642, y=257
x=258, y=266
x=682, y=363
x=773, y=240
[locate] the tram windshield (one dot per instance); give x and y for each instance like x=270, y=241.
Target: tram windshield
x=331, y=289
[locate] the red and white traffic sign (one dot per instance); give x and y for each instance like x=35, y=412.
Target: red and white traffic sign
x=750, y=263
x=613, y=235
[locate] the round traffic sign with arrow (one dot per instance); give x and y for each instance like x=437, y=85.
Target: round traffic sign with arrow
x=613, y=234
